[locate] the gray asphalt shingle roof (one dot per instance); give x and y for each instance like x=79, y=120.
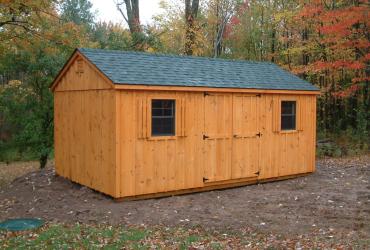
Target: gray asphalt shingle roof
x=123, y=67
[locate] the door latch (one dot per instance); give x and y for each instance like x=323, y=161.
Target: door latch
x=257, y=173
x=259, y=134
x=205, y=137
x=205, y=179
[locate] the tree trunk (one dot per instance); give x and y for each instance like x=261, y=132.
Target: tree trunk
x=273, y=38
x=305, y=57
x=43, y=160
x=191, y=12
x=132, y=18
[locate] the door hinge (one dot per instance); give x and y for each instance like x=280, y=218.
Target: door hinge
x=205, y=179
x=206, y=93
x=258, y=95
x=257, y=173
x=259, y=134
x=205, y=137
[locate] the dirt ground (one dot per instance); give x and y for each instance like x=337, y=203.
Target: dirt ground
x=8, y=172
x=336, y=198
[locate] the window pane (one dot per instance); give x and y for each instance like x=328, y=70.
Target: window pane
x=288, y=107
x=287, y=122
x=167, y=112
x=288, y=115
x=163, y=117
x=167, y=104
x=156, y=104
x=156, y=112
x=162, y=126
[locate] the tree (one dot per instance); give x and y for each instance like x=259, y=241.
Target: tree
x=132, y=18
x=38, y=48
x=191, y=12
x=19, y=19
x=220, y=13
x=78, y=11
x=111, y=36
x=329, y=44
x=170, y=30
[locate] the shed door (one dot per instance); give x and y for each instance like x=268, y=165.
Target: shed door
x=217, y=137
x=246, y=136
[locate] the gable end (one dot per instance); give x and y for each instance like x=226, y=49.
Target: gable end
x=80, y=74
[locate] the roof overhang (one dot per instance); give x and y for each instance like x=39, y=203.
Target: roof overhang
x=212, y=89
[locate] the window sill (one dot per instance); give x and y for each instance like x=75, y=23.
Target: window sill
x=162, y=138
x=288, y=131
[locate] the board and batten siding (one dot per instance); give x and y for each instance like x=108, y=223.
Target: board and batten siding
x=216, y=140
x=84, y=128
x=222, y=136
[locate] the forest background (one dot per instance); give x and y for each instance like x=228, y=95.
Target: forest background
x=325, y=42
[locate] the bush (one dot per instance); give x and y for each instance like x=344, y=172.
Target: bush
x=347, y=143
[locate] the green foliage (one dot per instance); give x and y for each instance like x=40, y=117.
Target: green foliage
x=11, y=152
x=110, y=36
x=32, y=56
x=37, y=37
x=29, y=109
x=344, y=143
x=79, y=12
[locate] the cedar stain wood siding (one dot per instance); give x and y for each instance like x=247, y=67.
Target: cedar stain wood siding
x=103, y=136
x=232, y=150
x=84, y=130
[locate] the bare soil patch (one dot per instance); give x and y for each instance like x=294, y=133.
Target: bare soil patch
x=9, y=172
x=335, y=199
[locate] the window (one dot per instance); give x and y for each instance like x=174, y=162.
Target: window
x=163, y=117
x=288, y=115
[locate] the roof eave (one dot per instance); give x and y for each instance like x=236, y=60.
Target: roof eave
x=127, y=86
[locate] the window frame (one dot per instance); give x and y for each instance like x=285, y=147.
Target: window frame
x=150, y=119
x=295, y=115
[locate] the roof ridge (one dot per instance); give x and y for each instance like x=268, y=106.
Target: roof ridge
x=173, y=55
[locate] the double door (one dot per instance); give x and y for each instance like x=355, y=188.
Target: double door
x=231, y=136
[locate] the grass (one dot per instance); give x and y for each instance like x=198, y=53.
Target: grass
x=59, y=236
x=77, y=236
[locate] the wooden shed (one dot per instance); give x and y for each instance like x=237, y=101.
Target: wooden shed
x=132, y=124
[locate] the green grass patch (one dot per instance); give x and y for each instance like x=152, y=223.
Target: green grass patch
x=76, y=237
x=58, y=236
